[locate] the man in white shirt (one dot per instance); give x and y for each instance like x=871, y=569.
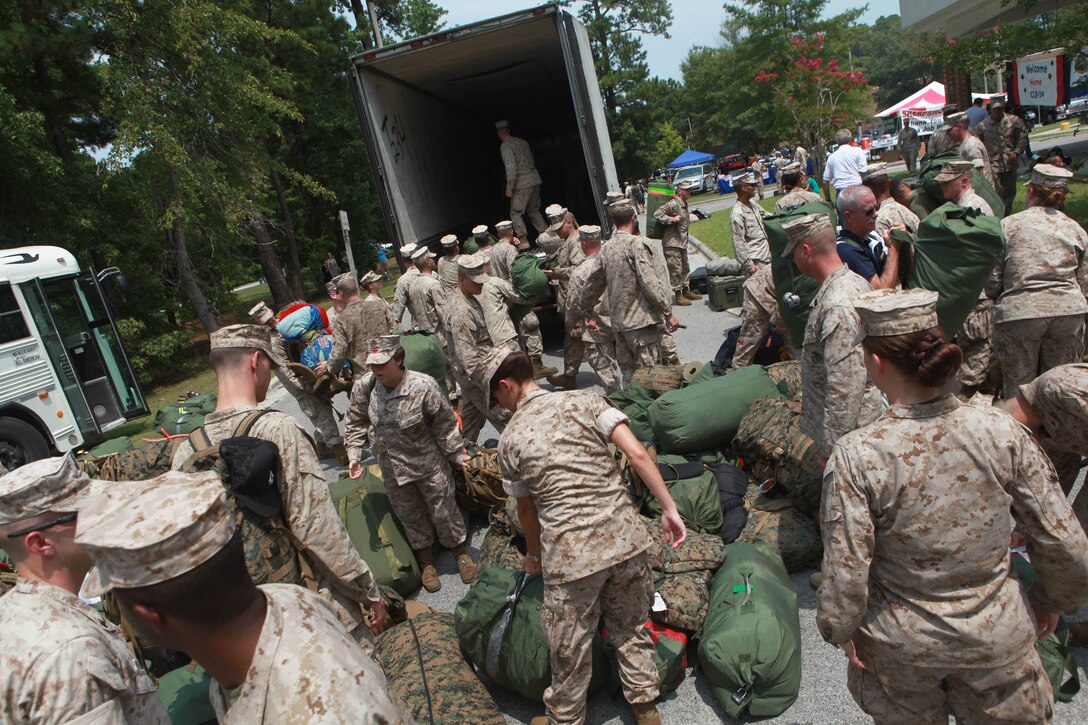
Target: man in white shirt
x=843, y=168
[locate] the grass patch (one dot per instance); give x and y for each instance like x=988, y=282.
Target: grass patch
x=716, y=232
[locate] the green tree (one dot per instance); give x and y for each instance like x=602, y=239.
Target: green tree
x=669, y=145
x=893, y=60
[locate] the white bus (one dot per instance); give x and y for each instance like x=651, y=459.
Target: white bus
x=65, y=380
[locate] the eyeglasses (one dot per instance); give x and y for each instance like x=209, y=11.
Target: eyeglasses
x=65, y=519
x=870, y=211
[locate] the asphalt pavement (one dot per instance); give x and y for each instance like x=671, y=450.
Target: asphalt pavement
x=823, y=696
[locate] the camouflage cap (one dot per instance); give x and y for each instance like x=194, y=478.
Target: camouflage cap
x=148, y=532
x=370, y=278
x=880, y=168
x=997, y=103
x=803, y=227
x=613, y=196
x=749, y=179
x=590, y=232
x=342, y=277
x=50, y=484
x=1055, y=177
x=480, y=230
x=953, y=170
x=408, y=249
x=449, y=240
x=791, y=168
x=380, y=350
x=261, y=313
x=557, y=216
x=492, y=361
x=957, y=119
x=887, y=312
x=623, y=204
x=504, y=224
x=422, y=253
x=499, y=125
x=472, y=266
x=250, y=337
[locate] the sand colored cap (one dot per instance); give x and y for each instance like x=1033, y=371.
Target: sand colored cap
x=449, y=240
x=408, y=249
x=888, y=312
x=1055, y=177
x=370, y=278
x=872, y=170
x=623, y=204
x=342, y=277
x=954, y=170
x=803, y=227
x=479, y=230
x=748, y=178
x=613, y=196
x=49, y=484
x=422, y=253
x=794, y=167
x=142, y=533
x=261, y=313
x=589, y=232
x=997, y=103
x=492, y=361
x=557, y=217
x=472, y=266
x=256, y=337
x=504, y=224
x=380, y=350
x=499, y=125
x=957, y=119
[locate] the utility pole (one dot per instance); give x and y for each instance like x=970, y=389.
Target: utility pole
x=345, y=229
x=377, y=32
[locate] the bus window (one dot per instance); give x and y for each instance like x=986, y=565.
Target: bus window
x=12, y=325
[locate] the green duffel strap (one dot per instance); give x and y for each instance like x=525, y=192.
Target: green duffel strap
x=384, y=541
x=1057, y=647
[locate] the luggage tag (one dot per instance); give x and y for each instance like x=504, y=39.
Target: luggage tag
x=658, y=604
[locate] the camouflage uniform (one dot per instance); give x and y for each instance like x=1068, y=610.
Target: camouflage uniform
x=889, y=212
x=447, y=272
x=63, y=660
x=909, y=144
x=523, y=181
x=757, y=169
x=674, y=241
x=342, y=576
x=495, y=300
x=1040, y=283
x=760, y=310
x=800, y=156
x=1002, y=139
x=360, y=321
x=939, y=142
x=318, y=410
x=794, y=198
x=973, y=150
x=600, y=344
x=401, y=291
x=838, y=396
x=570, y=256
x=427, y=303
x=1060, y=398
x=502, y=256
x=749, y=236
x=916, y=522
x=593, y=553
x=414, y=433
x=306, y=669
x=470, y=342
x=638, y=300
x=976, y=337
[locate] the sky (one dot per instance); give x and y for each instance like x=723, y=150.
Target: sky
x=695, y=22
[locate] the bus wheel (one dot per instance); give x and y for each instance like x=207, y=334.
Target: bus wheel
x=20, y=443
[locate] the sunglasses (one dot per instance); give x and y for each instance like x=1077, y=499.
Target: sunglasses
x=867, y=212
x=65, y=519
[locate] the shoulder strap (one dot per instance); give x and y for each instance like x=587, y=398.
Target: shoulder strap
x=247, y=422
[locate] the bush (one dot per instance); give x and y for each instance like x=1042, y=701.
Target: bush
x=149, y=352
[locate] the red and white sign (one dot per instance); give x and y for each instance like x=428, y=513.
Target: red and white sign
x=1039, y=80
x=924, y=122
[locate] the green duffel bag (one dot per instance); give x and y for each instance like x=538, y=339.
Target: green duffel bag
x=529, y=281
x=184, y=416
x=706, y=416
x=955, y=250
x=658, y=192
x=634, y=402
x=363, y=506
x=787, y=278
x=425, y=668
x=929, y=196
x=1054, y=652
x=184, y=694
x=750, y=643
x=705, y=375
x=696, y=499
x=498, y=626
x=423, y=354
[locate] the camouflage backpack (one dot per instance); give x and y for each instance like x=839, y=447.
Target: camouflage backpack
x=250, y=470
x=787, y=376
x=779, y=524
x=659, y=379
x=770, y=441
x=479, y=487
x=147, y=460
x=500, y=546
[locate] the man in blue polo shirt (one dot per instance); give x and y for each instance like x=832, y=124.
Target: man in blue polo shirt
x=874, y=259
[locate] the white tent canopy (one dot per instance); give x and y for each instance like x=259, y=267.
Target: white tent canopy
x=927, y=99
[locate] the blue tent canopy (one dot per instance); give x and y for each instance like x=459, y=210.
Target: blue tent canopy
x=690, y=157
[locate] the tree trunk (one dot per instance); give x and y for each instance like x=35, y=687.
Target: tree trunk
x=362, y=20
x=186, y=277
x=270, y=262
x=294, y=268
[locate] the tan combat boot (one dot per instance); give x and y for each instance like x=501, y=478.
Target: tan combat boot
x=681, y=300
x=428, y=575
x=567, y=382
x=465, y=565
x=540, y=720
x=692, y=294
x=645, y=713
x=540, y=370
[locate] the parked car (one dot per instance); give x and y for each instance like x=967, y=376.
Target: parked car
x=692, y=174
x=732, y=162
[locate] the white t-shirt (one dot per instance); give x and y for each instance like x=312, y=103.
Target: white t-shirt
x=844, y=167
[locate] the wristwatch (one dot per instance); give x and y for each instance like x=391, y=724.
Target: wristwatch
x=530, y=557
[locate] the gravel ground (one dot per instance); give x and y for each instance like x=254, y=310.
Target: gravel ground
x=823, y=697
